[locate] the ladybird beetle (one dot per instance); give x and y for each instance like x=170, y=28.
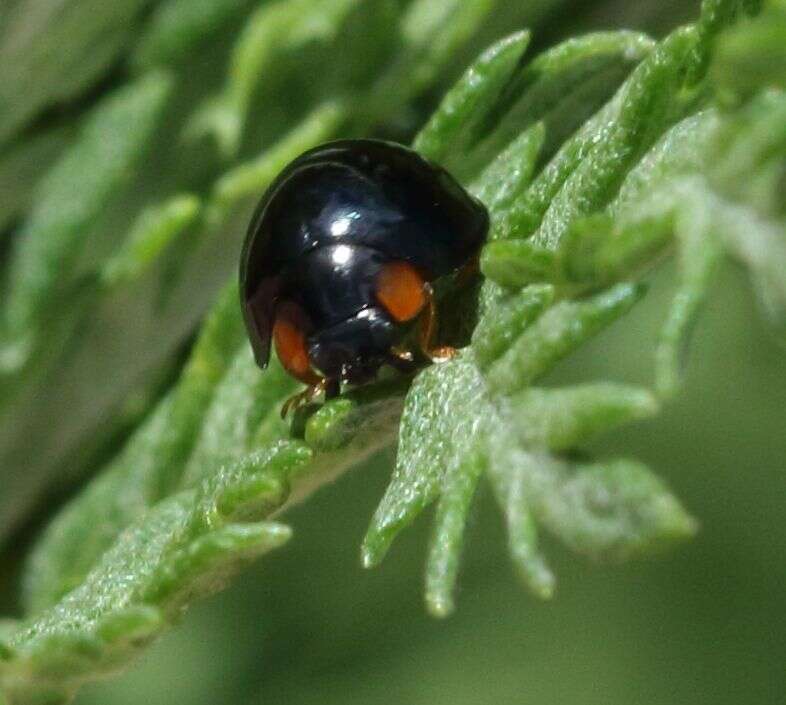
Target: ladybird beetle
x=338, y=261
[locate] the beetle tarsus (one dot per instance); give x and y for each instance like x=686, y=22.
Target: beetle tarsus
x=329, y=387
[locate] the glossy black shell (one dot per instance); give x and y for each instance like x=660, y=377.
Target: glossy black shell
x=327, y=225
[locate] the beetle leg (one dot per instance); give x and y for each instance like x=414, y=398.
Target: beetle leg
x=428, y=329
x=329, y=386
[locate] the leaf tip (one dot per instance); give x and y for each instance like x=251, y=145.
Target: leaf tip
x=538, y=578
x=275, y=534
x=439, y=604
x=374, y=548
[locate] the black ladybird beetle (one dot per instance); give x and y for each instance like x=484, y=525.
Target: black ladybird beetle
x=339, y=256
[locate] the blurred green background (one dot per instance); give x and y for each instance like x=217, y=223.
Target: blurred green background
x=706, y=624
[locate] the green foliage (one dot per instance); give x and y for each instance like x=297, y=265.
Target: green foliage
x=114, y=179
x=187, y=546
x=751, y=55
x=70, y=199
x=179, y=26
x=599, y=159
x=20, y=168
x=89, y=35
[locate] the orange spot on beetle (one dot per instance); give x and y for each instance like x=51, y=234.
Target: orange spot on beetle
x=289, y=337
x=400, y=289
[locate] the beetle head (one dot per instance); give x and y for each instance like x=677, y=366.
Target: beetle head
x=354, y=349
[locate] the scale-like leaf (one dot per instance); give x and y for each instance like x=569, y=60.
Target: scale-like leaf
x=455, y=426
x=422, y=463
x=183, y=547
x=148, y=469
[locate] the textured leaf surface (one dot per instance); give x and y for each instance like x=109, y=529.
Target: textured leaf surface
x=599, y=159
x=457, y=423
x=629, y=164
x=179, y=511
